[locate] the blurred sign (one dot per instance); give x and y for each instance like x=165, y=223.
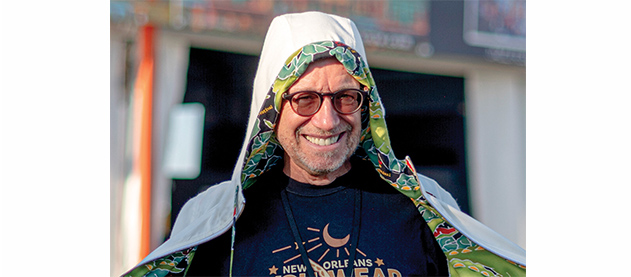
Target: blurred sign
x=499, y=25
x=490, y=29
x=496, y=24
x=183, y=153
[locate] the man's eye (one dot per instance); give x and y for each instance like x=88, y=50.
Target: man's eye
x=304, y=97
x=347, y=97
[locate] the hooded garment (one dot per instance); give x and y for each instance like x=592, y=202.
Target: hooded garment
x=293, y=42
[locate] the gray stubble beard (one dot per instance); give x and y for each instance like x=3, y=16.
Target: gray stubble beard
x=330, y=165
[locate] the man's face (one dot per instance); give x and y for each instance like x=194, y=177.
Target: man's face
x=321, y=143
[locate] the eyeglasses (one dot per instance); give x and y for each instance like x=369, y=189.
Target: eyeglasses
x=307, y=103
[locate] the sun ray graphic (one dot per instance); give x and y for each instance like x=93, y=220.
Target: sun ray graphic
x=291, y=259
x=325, y=252
x=314, y=247
x=329, y=242
x=281, y=249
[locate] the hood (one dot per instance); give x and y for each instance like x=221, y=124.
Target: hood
x=292, y=43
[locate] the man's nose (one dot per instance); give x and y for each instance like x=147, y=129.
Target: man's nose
x=326, y=118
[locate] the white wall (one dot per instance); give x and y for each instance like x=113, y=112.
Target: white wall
x=496, y=130
x=118, y=122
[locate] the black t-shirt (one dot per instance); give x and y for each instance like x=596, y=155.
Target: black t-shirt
x=393, y=238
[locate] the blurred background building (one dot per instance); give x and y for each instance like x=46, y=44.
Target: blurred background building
x=452, y=76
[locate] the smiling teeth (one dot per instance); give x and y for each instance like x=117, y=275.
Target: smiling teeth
x=323, y=142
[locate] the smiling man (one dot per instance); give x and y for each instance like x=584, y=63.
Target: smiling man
x=326, y=196
x=320, y=133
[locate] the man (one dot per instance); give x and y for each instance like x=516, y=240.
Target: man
x=326, y=194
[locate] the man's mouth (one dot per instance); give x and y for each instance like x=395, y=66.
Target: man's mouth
x=323, y=141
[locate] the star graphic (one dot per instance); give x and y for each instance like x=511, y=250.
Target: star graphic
x=272, y=270
x=379, y=262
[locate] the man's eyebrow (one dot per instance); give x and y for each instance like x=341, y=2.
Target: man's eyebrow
x=292, y=89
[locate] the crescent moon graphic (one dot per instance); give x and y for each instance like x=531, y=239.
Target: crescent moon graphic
x=333, y=242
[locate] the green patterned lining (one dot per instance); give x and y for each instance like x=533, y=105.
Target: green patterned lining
x=465, y=258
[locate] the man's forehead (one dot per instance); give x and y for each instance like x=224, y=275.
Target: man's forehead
x=322, y=72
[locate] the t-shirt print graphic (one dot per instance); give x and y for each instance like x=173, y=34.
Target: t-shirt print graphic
x=329, y=256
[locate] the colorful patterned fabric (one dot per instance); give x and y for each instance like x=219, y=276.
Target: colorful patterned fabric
x=264, y=151
x=465, y=257
x=171, y=265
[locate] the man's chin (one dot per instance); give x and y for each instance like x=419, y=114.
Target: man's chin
x=322, y=167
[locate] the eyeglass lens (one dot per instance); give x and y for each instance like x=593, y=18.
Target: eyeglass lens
x=309, y=102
